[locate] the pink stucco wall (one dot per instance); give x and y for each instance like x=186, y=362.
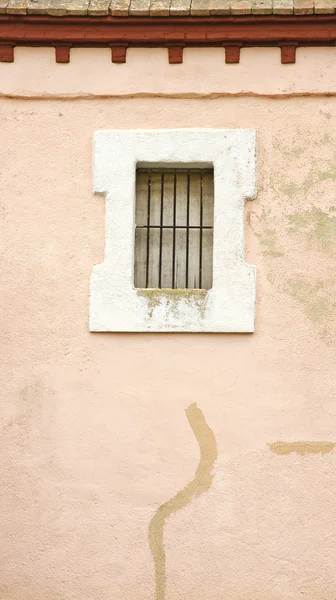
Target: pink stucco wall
x=94, y=431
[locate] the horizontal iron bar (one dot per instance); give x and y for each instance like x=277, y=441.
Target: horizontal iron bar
x=173, y=227
x=173, y=170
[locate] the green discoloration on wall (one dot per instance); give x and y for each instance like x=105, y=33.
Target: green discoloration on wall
x=173, y=298
x=318, y=304
x=291, y=152
x=249, y=218
x=330, y=174
x=268, y=241
x=317, y=226
x=271, y=277
x=327, y=115
x=302, y=448
x=326, y=140
x=321, y=168
x=200, y=484
x=291, y=189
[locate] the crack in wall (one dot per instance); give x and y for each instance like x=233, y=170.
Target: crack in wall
x=200, y=484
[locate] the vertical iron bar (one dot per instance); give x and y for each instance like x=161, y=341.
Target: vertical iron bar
x=148, y=226
x=174, y=232
x=161, y=231
x=201, y=229
x=187, y=232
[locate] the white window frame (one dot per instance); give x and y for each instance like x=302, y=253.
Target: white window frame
x=229, y=306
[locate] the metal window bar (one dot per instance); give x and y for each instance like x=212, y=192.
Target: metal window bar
x=174, y=228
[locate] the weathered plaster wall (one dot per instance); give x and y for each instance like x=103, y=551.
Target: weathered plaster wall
x=147, y=71
x=107, y=465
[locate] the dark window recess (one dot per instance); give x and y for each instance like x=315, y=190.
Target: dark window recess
x=174, y=228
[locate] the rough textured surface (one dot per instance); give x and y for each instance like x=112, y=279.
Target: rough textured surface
x=119, y=8
x=230, y=304
x=159, y=8
x=99, y=7
x=94, y=432
x=179, y=7
x=166, y=7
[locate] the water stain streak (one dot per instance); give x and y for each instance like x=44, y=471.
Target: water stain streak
x=302, y=448
x=200, y=484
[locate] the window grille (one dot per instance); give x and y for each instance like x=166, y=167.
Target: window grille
x=174, y=228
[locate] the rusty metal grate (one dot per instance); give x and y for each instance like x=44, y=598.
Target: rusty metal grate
x=174, y=228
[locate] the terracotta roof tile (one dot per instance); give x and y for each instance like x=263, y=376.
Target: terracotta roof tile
x=139, y=8
x=163, y=8
x=200, y=7
x=17, y=7
x=77, y=7
x=179, y=7
x=37, y=7
x=241, y=7
x=262, y=7
x=159, y=8
x=220, y=7
x=303, y=7
x=324, y=7
x=98, y=8
x=3, y=6
x=119, y=8
x=56, y=8
x=283, y=7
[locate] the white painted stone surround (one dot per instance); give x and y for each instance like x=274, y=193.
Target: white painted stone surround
x=115, y=305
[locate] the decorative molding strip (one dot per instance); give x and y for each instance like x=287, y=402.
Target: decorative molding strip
x=232, y=54
x=288, y=53
x=6, y=52
x=118, y=53
x=62, y=53
x=175, y=54
x=287, y=32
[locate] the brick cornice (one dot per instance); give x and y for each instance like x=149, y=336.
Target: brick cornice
x=287, y=32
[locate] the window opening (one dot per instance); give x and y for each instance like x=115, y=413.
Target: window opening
x=174, y=228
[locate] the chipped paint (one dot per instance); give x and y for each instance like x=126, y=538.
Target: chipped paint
x=200, y=484
x=302, y=448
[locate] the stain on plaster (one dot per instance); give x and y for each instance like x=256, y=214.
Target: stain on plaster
x=200, y=484
x=290, y=189
x=326, y=140
x=318, y=303
x=321, y=165
x=327, y=115
x=294, y=151
x=28, y=409
x=172, y=298
x=268, y=241
x=249, y=218
x=317, y=226
x=302, y=448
